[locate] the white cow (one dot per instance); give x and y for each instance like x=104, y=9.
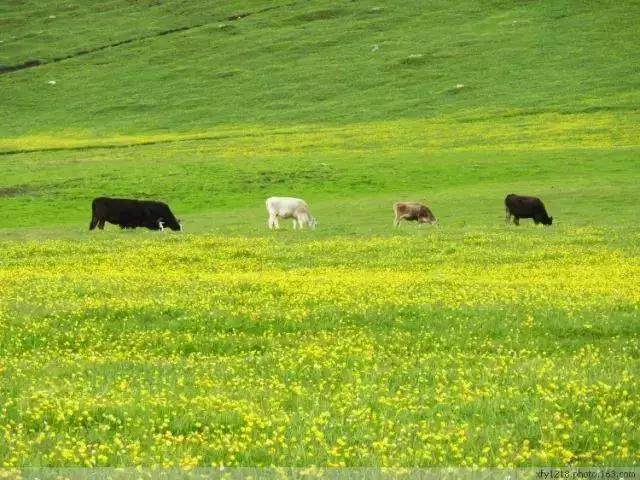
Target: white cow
x=287, y=207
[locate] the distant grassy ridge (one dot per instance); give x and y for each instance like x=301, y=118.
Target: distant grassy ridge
x=312, y=62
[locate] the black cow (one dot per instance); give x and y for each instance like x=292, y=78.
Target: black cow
x=520, y=206
x=132, y=214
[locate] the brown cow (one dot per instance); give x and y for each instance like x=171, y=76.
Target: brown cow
x=412, y=211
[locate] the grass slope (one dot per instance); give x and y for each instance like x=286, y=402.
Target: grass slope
x=348, y=190
x=312, y=62
x=355, y=101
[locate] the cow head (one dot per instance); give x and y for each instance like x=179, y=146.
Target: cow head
x=174, y=224
x=549, y=221
x=312, y=223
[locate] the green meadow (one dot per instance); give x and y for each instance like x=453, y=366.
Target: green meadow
x=471, y=343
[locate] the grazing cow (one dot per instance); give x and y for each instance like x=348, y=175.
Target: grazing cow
x=412, y=211
x=287, y=207
x=520, y=206
x=132, y=214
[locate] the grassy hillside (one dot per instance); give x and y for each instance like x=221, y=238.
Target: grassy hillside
x=311, y=62
x=233, y=101
x=471, y=343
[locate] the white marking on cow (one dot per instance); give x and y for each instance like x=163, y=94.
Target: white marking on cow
x=289, y=207
x=161, y=225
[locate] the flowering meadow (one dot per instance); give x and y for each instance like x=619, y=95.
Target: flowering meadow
x=468, y=344
x=459, y=347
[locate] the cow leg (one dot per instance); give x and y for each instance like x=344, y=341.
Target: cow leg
x=273, y=222
x=507, y=217
x=101, y=224
x=296, y=223
x=396, y=221
x=516, y=220
x=93, y=223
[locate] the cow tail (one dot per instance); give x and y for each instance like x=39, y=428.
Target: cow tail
x=94, y=220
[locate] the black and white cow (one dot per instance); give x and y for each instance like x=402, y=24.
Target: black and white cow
x=132, y=214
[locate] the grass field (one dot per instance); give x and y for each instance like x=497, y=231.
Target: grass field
x=471, y=343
